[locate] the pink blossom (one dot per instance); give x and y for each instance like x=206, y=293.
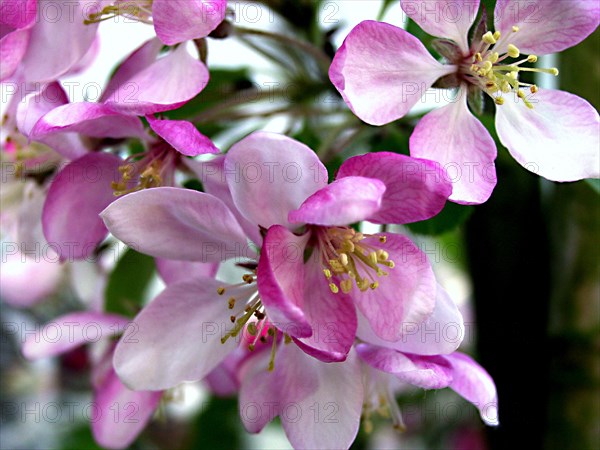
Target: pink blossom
x=382, y=71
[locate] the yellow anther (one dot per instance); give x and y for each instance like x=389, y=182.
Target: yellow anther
x=494, y=57
x=533, y=89
x=373, y=258
x=497, y=35
x=362, y=284
x=248, y=278
x=499, y=101
x=515, y=29
x=382, y=239
x=231, y=302
x=532, y=58
x=554, y=71
x=382, y=255
x=513, y=51
x=478, y=57
x=232, y=318
x=327, y=273
x=391, y=264
x=348, y=246
x=252, y=330
x=521, y=94
x=505, y=86
x=344, y=259
x=346, y=285
x=374, y=285
x=333, y=288
x=220, y=290
x=487, y=66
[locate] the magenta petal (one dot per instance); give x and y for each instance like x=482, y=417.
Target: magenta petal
x=545, y=26
x=172, y=271
x=140, y=59
x=346, y=200
x=59, y=41
x=78, y=194
x=441, y=333
x=270, y=175
x=177, y=337
x=329, y=416
x=416, y=189
x=390, y=308
x=449, y=19
x=34, y=106
x=120, y=414
x=332, y=317
x=12, y=48
x=558, y=139
x=382, y=71
x=428, y=372
x=476, y=385
x=68, y=332
x=90, y=119
x=175, y=223
x=453, y=137
x=165, y=85
x=18, y=13
x=176, y=21
x=280, y=276
x=183, y=136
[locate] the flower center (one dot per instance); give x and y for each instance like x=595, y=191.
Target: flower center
x=139, y=10
x=155, y=168
x=487, y=70
x=349, y=260
x=250, y=316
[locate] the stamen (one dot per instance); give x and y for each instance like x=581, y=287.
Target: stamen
x=273, y=332
x=488, y=38
x=513, y=51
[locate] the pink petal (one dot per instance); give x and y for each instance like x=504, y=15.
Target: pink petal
x=329, y=417
x=558, y=139
x=319, y=404
x=175, y=223
x=476, y=385
x=427, y=372
x=441, y=333
x=165, y=85
x=212, y=175
x=545, y=26
x=120, y=414
x=332, y=317
x=76, y=197
x=177, y=337
x=34, y=106
x=453, y=137
x=183, y=136
x=17, y=270
x=172, y=271
x=450, y=19
x=346, y=200
x=90, y=119
x=70, y=331
x=280, y=276
x=406, y=296
x=270, y=175
x=140, y=59
x=176, y=21
x=13, y=46
x=382, y=71
x=59, y=39
x=416, y=189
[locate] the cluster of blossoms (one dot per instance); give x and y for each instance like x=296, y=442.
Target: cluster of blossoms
x=323, y=313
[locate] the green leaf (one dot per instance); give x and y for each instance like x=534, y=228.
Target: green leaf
x=128, y=283
x=594, y=183
x=451, y=217
x=218, y=426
